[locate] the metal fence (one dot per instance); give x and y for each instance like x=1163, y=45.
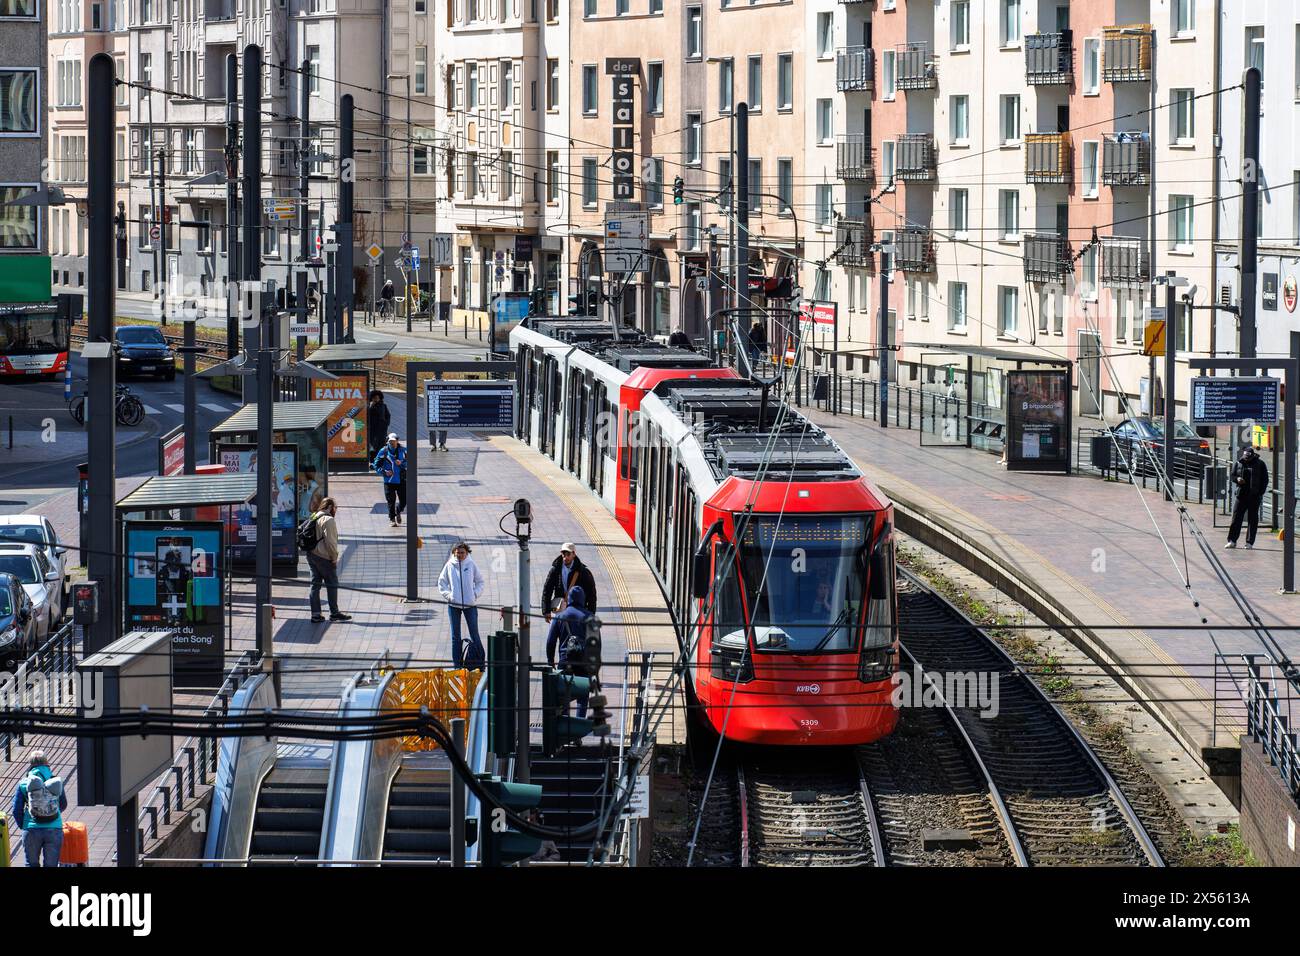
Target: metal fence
x=1255, y=696
x=57, y=655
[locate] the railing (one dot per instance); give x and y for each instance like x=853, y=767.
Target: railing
x=853, y=238
x=1127, y=54
x=1255, y=695
x=855, y=69
x=1125, y=159
x=915, y=158
x=1047, y=257
x=1124, y=261
x=853, y=157
x=1048, y=158
x=914, y=249
x=916, y=67
x=57, y=655
x=1049, y=58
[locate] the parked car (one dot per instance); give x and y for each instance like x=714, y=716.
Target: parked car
x=18, y=639
x=1142, y=439
x=42, y=583
x=38, y=529
x=142, y=350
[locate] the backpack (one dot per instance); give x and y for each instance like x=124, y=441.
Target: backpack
x=472, y=655
x=43, y=797
x=580, y=653
x=308, y=533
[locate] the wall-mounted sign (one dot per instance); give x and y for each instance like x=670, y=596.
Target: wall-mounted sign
x=622, y=65
x=623, y=111
x=1288, y=293
x=1268, y=291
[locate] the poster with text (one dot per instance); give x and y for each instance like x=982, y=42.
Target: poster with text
x=345, y=431
x=1038, y=420
x=241, y=527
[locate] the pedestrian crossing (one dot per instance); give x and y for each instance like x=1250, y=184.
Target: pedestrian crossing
x=179, y=409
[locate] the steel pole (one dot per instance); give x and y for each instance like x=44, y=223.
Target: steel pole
x=1171, y=347
x=101, y=391
x=883, y=342
x=233, y=263
x=522, y=732
x=742, y=211
x=458, y=797
x=408, y=197
x=1249, y=252
x=190, y=412
x=412, y=486
x=343, y=284
x=1292, y=382
x=304, y=186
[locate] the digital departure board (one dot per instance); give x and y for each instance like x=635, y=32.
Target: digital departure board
x=1223, y=400
x=478, y=405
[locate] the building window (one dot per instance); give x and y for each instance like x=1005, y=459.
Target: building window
x=888, y=87
x=726, y=84
x=1088, y=287
x=421, y=81
x=956, y=306
x=590, y=191
x=825, y=36
x=1091, y=66
x=588, y=8
x=1010, y=120
x=1184, y=17
x=18, y=224
x=755, y=84
x=694, y=32
x=270, y=241
x=68, y=78
x=784, y=186
x=654, y=183
x=552, y=175
x=724, y=183
x=552, y=84
x=1091, y=179
x=887, y=163
x=656, y=6
x=191, y=151
x=1255, y=50
x=959, y=211
x=1008, y=301
x=589, y=93
x=313, y=67
x=119, y=70
x=1182, y=116
x=693, y=131
x=472, y=99
x=823, y=205
x=1010, y=22
x=825, y=122
x=18, y=9
x=960, y=33
x=1180, y=223
x=1009, y=214
x=755, y=185
x=18, y=112
x=507, y=84
x=622, y=7
x=507, y=174
x=419, y=6
x=959, y=119
x=654, y=100
x=421, y=155
x=785, y=81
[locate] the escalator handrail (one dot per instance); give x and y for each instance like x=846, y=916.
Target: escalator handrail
x=476, y=752
x=242, y=764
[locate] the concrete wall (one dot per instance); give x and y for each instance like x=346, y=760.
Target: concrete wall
x=1269, y=815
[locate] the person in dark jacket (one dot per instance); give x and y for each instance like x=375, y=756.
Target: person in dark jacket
x=42, y=839
x=566, y=571
x=680, y=340
x=390, y=464
x=571, y=622
x=757, y=342
x=1250, y=475
x=377, y=419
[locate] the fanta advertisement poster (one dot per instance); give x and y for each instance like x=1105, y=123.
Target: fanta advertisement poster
x=345, y=431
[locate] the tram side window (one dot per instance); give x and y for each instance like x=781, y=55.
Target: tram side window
x=534, y=385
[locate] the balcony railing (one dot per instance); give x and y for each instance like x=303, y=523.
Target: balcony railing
x=853, y=239
x=1047, y=257
x=1124, y=261
x=1126, y=54
x=914, y=249
x=915, y=158
x=1048, y=158
x=855, y=68
x=853, y=158
x=916, y=68
x=1126, y=159
x=1049, y=58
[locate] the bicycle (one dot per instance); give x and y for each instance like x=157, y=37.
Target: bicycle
x=128, y=409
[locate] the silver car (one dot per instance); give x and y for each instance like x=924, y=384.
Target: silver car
x=37, y=529
x=42, y=583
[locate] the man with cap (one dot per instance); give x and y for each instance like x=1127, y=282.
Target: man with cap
x=566, y=571
x=1250, y=475
x=390, y=463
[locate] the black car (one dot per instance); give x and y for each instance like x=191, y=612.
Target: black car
x=17, y=623
x=142, y=350
x=1139, y=440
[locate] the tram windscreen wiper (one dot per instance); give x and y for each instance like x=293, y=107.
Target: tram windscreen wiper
x=840, y=620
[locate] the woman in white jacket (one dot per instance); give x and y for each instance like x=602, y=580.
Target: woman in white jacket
x=461, y=583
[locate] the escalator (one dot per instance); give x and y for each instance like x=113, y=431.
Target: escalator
x=290, y=815
x=575, y=790
x=418, y=821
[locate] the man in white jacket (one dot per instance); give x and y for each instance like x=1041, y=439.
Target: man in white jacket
x=461, y=583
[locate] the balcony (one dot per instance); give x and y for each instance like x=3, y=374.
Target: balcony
x=855, y=68
x=1124, y=261
x=916, y=68
x=1047, y=257
x=1049, y=58
x=853, y=158
x=1048, y=158
x=853, y=238
x=1126, y=54
x=1126, y=159
x=914, y=249
x=915, y=158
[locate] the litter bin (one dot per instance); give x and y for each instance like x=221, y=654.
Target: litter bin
x=1100, y=448
x=1214, y=481
x=821, y=387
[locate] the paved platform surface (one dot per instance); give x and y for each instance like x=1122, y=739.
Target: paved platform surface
x=464, y=492
x=1113, y=554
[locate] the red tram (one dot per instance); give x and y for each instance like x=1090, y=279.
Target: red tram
x=775, y=553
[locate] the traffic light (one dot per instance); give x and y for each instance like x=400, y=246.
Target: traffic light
x=679, y=187
x=577, y=304
x=502, y=692
x=503, y=845
x=558, y=728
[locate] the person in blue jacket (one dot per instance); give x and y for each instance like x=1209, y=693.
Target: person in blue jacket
x=391, y=464
x=42, y=824
x=571, y=622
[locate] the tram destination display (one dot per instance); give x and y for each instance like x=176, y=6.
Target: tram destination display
x=1224, y=400
x=477, y=405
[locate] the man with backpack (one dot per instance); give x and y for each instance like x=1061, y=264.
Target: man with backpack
x=38, y=808
x=318, y=535
x=567, y=637
x=391, y=464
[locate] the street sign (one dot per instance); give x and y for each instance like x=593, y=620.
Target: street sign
x=443, y=249
x=155, y=232
x=1223, y=400
x=320, y=244
x=308, y=329
x=279, y=210
x=376, y=252
x=413, y=256
x=1153, y=337
x=622, y=262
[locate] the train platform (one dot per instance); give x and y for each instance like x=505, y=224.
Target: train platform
x=1108, y=558
x=463, y=494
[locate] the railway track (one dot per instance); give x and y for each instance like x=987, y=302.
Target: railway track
x=1063, y=807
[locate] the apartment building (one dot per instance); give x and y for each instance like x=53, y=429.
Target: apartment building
x=500, y=150
x=79, y=29
x=1016, y=131
x=1267, y=37
x=23, y=84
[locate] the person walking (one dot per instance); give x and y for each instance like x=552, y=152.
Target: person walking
x=566, y=571
x=390, y=463
x=377, y=418
x=567, y=637
x=460, y=584
x=757, y=343
x=38, y=808
x=1250, y=475
x=323, y=559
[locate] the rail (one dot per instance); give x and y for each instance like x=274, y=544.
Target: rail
x=1247, y=702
